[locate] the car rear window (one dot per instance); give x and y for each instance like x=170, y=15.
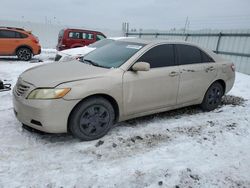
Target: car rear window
x=60, y=35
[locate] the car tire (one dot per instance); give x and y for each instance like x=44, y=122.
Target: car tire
x=92, y=119
x=212, y=98
x=24, y=54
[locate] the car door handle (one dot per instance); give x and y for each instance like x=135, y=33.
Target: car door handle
x=172, y=74
x=188, y=70
x=210, y=69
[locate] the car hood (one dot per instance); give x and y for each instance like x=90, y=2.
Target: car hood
x=77, y=51
x=53, y=74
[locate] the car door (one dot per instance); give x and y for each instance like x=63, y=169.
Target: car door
x=197, y=71
x=8, y=42
x=154, y=89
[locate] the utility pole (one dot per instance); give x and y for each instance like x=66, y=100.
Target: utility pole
x=186, y=24
x=125, y=28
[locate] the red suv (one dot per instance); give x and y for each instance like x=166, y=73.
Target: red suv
x=73, y=38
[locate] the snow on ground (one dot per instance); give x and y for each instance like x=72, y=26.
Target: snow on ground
x=180, y=148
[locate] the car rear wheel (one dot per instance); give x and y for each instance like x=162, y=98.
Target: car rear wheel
x=92, y=119
x=24, y=54
x=212, y=97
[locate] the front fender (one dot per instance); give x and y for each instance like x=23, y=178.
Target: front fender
x=110, y=85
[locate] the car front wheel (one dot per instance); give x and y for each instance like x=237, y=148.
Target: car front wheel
x=24, y=54
x=92, y=119
x=212, y=97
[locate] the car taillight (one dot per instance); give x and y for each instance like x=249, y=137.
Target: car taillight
x=233, y=67
x=35, y=39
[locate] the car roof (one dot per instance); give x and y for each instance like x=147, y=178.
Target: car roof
x=156, y=41
x=11, y=28
x=16, y=29
x=153, y=42
x=77, y=29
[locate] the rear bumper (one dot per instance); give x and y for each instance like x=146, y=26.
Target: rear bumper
x=229, y=84
x=37, y=50
x=45, y=115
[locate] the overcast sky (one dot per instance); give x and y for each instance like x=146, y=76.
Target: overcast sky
x=145, y=14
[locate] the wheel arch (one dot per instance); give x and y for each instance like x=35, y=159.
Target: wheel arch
x=109, y=98
x=24, y=46
x=220, y=81
x=223, y=84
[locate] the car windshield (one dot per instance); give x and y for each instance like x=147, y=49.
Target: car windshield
x=112, y=55
x=101, y=43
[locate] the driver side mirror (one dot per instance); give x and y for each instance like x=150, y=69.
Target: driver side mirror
x=141, y=66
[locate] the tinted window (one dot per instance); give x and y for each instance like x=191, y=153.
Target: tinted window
x=61, y=33
x=20, y=35
x=88, y=36
x=99, y=37
x=11, y=34
x=113, y=54
x=206, y=58
x=188, y=54
x=24, y=35
x=159, y=56
x=75, y=35
x=7, y=34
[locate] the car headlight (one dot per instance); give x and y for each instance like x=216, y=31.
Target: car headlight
x=48, y=93
x=68, y=58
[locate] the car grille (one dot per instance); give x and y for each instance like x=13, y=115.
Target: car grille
x=21, y=88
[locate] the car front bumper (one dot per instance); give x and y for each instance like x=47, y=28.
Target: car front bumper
x=45, y=115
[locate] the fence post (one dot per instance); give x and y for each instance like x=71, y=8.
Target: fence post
x=186, y=38
x=218, y=43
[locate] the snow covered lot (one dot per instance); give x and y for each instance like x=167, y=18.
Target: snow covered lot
x=180, y=148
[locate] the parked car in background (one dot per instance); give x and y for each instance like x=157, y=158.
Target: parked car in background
x=18, y=42
x=123, y=80
x=74, y=53
x=73, y=38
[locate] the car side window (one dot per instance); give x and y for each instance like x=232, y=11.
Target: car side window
x=74, y=35
x=188, y=54
x=99, y=37
x=7, y=34
x=159, y=56
x=19, y=35
x=206, y=58
x=88, y=36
